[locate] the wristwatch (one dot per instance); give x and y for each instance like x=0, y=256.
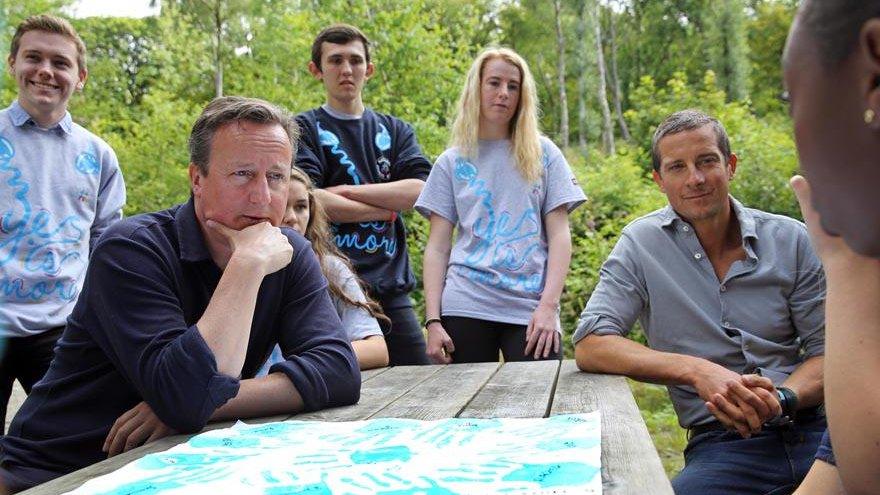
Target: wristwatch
x=788, y=400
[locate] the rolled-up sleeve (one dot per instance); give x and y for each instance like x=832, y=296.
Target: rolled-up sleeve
x=140, y=326
x=807, y=300
x=319, y=360
x=619, y=297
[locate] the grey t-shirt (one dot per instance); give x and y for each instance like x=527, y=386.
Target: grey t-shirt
x=59, y=189
x=497, y=265
x=357, y=321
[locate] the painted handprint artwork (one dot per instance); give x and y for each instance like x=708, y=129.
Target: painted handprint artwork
x=556, y=455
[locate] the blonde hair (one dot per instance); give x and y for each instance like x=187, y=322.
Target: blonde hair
x=318, y=232
x=524, y=131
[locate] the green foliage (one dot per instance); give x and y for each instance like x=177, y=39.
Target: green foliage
x=669, y=438
x=767, y=31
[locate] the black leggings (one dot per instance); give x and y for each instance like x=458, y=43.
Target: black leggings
x=480, y=340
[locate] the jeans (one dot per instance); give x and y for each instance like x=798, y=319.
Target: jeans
x=771, y=462
x=825, y=452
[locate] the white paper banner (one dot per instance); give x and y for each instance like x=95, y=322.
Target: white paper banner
x=556, y=455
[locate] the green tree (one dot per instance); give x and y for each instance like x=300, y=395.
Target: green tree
x=727, y=46
x=767, y=31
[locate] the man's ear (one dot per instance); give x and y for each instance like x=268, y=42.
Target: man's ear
x=658, y=179
x=315, y=71
x=10, y=65
x=869, y=69
x=370, y=69
x=195, y=179
x=83, y=75
x=731, y=165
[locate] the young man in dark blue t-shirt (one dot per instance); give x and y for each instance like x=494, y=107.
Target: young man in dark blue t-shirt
x=368, y=167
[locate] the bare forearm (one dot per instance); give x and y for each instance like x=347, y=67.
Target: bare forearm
x=371, y=352
x=344, y=210
x=852, y=357
x=806, y=382
x=558, y=256
x=264, y=396
x=621, y=356
x=398, y=196
x=436, y=261
x=226, y=323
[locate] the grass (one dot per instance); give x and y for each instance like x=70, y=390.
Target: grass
x=669, y=438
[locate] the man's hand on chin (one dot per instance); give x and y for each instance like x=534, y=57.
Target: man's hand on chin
x=261, y=245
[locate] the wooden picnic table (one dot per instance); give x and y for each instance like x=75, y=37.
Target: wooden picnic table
x=630, y=464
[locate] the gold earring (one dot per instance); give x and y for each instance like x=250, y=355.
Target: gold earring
x=869, y=116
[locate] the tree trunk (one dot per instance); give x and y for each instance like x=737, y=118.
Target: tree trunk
x=218, y=59
x=560, y=75
x=582, y=75
x=618, y=106
x=607, y=126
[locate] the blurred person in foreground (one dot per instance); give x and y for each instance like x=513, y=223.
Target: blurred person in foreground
x=832, y=74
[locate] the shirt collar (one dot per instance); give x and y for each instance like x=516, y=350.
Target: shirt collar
x=20, y=117
x=191, y=242
x=748, y=231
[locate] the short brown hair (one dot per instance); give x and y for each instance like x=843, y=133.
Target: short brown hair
x=339, y=34
x=688, y=120
x=49, y=24
x=228, y=109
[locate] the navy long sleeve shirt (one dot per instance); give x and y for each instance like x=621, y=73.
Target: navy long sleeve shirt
x=133, y=336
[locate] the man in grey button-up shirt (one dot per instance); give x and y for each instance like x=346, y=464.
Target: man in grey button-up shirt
x=731, y=300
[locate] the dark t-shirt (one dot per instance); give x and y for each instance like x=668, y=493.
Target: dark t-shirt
x=132, y=337
x=375, y=148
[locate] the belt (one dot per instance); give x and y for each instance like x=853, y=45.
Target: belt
x=802, y=416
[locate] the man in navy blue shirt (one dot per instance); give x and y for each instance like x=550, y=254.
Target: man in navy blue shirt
x=181, y=307
x=368, y=167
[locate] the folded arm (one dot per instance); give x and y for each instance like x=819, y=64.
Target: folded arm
x=396, y=196
x=341, y=209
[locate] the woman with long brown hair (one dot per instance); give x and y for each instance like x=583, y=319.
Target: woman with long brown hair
x=359, y=314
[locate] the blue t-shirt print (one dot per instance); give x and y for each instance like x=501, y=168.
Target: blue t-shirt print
x=511, y=244
x=373, y=236
x=29, y=241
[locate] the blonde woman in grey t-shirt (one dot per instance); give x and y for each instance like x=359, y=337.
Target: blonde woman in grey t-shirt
x=507, y=191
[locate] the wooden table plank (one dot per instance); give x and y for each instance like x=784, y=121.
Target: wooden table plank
x=517, y=390
x=443, y=395
x=376, y=393
x=630, y=464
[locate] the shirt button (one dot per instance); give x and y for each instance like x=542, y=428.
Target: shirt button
x=686, y=228
x=698, y=256
x=725, y=323
x=723, y=288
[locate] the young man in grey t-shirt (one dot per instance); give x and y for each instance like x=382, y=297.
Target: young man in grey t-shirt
x=60, y=187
